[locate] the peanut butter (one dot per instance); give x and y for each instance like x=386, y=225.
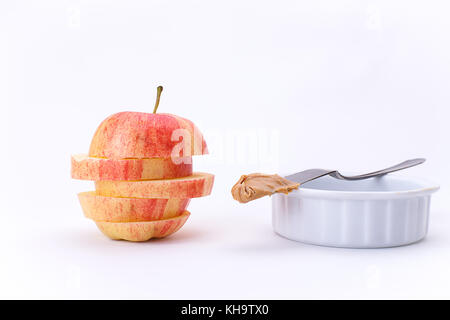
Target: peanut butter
x=257, y=185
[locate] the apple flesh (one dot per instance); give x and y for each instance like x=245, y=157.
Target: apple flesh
x=199, y=184
x=142, y=231
x=141, y=135
x=111, y=209
x=84, y=167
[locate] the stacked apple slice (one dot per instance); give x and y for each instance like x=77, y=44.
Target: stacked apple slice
x=142, y=167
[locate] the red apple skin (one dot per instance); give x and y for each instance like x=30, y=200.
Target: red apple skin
x=143, y=135
x=199, y=184
x=111, y=209
x=142, y=231
x=84, y=167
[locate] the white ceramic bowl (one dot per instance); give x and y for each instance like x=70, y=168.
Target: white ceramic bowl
x=379, y=212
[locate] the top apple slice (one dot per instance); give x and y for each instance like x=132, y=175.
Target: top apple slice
x=139, y=135
x=84, y=167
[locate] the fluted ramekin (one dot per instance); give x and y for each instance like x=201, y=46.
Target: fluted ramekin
x=374, y=213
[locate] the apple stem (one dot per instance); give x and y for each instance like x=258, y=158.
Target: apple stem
x=158, y=97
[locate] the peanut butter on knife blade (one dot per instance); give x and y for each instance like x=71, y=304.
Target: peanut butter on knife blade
x=257, y=185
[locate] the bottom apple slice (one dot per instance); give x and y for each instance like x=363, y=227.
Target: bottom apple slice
x=112, y=209
x=144, y=230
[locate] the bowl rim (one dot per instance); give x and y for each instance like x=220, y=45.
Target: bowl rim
x=428, y=188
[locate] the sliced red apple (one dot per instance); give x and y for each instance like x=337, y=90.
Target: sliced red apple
x=146, y=135
x=90, y=168
x=199, y=184
x=144, y=230
x=113, y=209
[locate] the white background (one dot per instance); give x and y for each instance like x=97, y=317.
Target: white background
x=353, y=85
